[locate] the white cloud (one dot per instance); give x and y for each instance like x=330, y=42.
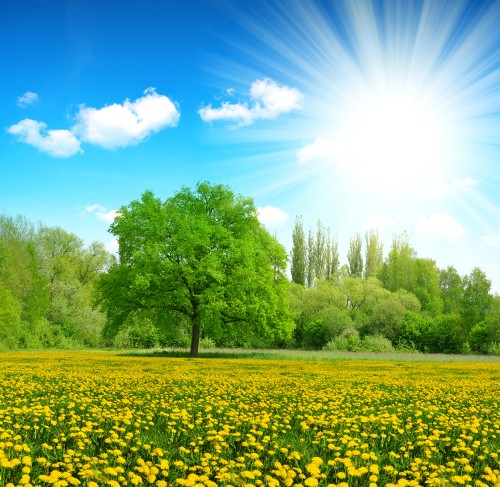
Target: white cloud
x=236, y=112
x=112, y=246
x=440, y=224
x=437, y=188
x=493, y=240
x=101, y=213
x=321, y=148
x=27, y=99
x=380, y=221
x=122, y=125
x=268, y=100
x=271, y=216
x=92, y=208
x=107, y=216
x=57, y=143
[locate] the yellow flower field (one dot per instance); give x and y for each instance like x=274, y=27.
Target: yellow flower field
x=97, y=418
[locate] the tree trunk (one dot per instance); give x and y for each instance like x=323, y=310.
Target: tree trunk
x=195, y=339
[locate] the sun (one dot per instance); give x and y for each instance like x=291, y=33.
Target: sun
x=391, y=139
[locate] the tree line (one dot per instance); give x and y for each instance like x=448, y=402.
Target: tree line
x=198, y=269
x=401, y=301
x=47, y=284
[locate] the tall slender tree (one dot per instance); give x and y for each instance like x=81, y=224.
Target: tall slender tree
x=398, y=270
x=299, y=253
x=452, y=289
x=476, y=299
x=320, y=251
x=427, y=287
x=311, y=259
x=355, y=257
x=373, y=253
x=332, y=257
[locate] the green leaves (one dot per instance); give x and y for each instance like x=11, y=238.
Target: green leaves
x=201, y=253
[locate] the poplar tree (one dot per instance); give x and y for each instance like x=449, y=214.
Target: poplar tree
x=354, y=256
x=332, y=258
x=299, y=253
x=311, y=259
x=320, y=251
x=373, y=253
x=398, y=270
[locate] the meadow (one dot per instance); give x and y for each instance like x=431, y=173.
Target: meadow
x=104, y=418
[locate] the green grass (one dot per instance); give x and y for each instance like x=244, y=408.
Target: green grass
x=228, y=353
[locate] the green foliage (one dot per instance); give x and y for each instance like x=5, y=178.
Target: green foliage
x=355, y=257
x=314, y=259
x=362, y=294
x=493, y=348
x=398, y=270
x=207, y=343
x=311, y=260
x=47, y=278
x=332, y=258
x=452, y=290
x=348, y=341
x=445, y=334
x=10, y=318
x=386, y=318
x=198, y=269
x=375, y=343
x=299, y=253
x=476, y=299
x=138, y=332
x=319, y=313
x=373, y=254
x=412, y=333
x=202, y=255
x=427, y=286
x=486, y=333
x=407, y=299
x=320, y=252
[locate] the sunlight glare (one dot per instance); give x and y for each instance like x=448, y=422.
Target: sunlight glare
x=391, y=140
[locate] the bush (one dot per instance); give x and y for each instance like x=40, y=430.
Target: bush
x=347, y=341
x=493, y=349
x=137, y=333
x=375, y=343
x=207, y=343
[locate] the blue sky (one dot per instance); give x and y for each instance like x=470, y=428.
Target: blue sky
x=363, y=114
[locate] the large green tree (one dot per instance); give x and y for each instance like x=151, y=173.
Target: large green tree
x=203, y=256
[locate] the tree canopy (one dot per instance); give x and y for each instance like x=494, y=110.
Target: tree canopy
x=200, y=257
x=47, y=278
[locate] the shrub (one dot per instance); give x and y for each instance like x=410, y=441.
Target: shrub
x=347, y=341
x=493, y=349
x=207, y=343
x=137, y=333
x=375, y=343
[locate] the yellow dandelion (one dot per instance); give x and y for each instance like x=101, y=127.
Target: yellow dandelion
x=311, y=482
